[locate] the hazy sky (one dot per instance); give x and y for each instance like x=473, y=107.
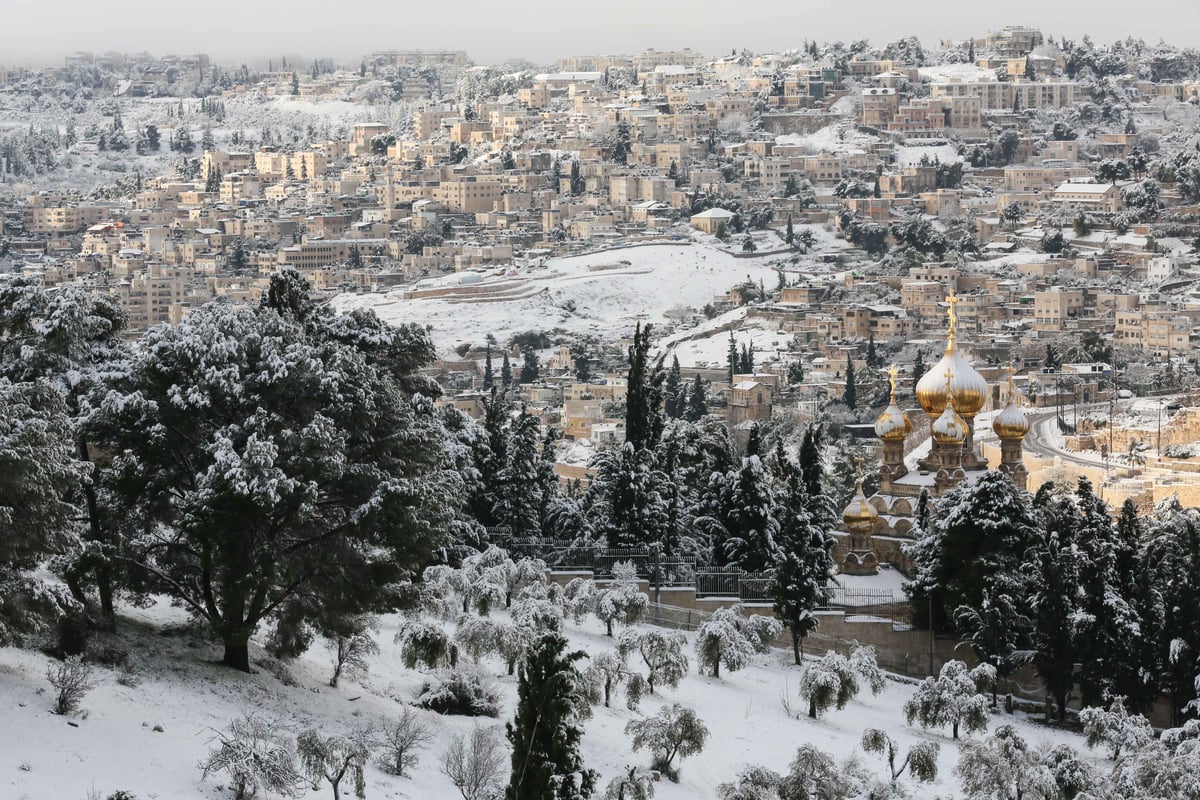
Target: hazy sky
x=41, y=31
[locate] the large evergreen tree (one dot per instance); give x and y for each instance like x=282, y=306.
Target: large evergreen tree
x=850, y=395
x=519, y=496
x=294, y=478
x=643, y=395
x=545, y=732
x=806, y=565
x=697, y=401
x=38, y=474
x=979, y=529
x=674, y=399
x=530, y=369
x=69, y=338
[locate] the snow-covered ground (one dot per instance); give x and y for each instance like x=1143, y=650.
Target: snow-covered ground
x=840, y=138
x=115, y=742
x=603, y=294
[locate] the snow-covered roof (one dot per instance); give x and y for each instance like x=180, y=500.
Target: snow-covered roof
x=714, y=213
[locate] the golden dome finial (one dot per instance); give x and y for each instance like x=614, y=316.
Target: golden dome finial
x=892, y=372
x=951, y=302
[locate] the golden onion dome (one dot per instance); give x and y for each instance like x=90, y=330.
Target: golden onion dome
x=893, y=424
x=1011, y=423
x=859, y=514
x=968, y=386
x=950, y=428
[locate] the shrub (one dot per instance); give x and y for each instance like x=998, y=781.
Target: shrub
x=71, y=680
x=422, y=643
x=255, y=759
x=459, y=693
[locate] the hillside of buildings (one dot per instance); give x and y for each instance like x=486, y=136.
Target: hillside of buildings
x=895, y=343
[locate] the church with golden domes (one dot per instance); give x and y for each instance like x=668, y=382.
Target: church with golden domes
x=951, y=395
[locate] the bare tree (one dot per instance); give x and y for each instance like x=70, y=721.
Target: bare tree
x=402, y=741
x=474, y=765
x=71, y=679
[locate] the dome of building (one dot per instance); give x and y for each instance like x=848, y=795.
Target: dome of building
x=950, y=428
x=1011, y=423
x=893, y=424
x=969, y=388
x=859, y=514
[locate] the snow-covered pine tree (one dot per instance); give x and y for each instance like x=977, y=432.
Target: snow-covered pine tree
x=342, y=509
x=644, y=394
x=1107, y=625
x=545, y=732
x=38, y=474
x=806, y=566
x=674, y=399
x=980, y=529
x=1054, y=595
x=747, y=515
x=518, y=501
x=1172, y=552
x=68, y=338
x=630, y=506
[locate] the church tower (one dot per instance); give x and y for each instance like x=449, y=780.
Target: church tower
x=858, y=520
x=892, y=428
x=953, y=377
x=1011, y=426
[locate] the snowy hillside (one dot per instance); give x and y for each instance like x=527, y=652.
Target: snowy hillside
x=148, y=738
x=600, y=294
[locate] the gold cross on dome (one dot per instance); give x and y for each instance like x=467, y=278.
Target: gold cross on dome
x=952, y=301
x=892, y=373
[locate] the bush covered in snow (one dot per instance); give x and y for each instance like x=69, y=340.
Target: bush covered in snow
x=828, y=683
x=255, y=758
x=954, y=698
x=459, y=693
x=423, y=643
x=1115, y=728
x=674, y=731
x=729, y=639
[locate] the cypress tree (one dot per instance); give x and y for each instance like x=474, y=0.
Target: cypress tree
x=489, y=377
x=545, y=733
x=850, y=396
x=697, y=401
x=732, y=357
x=530, y=370
x=643, y=397
x=790, y=235
x=674, y=399
x=799, y=586
x=506, y=375
x=918, y=369
x=872, y=356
